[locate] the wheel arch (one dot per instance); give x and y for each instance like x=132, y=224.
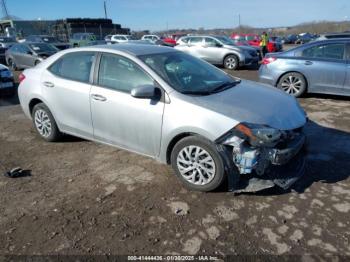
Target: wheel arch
x=234, y=54
x=293, y=71
x=175, y=140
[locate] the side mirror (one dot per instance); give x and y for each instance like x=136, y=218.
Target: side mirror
x=218, y=45
x=144, y=92
x=29, y=53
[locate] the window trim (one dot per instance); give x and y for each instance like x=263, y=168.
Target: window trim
x=97, y=69
x=90, y=82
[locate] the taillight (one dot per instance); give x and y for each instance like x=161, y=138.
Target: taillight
x=21, y=77
x=268, y=60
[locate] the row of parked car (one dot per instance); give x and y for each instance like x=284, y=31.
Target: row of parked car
x=319, y=66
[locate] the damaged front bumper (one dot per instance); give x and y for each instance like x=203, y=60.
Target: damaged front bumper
x=265, y=167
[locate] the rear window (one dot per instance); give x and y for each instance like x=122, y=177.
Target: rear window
x=75, y=66
x=330, y=51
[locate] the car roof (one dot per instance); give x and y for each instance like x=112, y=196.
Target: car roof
x=132, y=49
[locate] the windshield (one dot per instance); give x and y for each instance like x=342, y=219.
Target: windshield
x=225, y=40
x=49, y=39
x=7, y=40
x=187, y=74
x=42, y=48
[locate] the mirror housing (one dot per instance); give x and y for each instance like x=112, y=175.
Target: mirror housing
x=144, y=92
x=29, y=53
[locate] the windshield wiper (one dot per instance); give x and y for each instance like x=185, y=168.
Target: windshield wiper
x=225, y=86
x=199, y=93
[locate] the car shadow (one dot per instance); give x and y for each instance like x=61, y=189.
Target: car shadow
x=326, y=96
x=328, y=154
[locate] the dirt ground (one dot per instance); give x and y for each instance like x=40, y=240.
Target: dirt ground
x=86, y=198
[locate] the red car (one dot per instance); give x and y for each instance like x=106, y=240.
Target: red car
x=254, y=40
x=171, y=40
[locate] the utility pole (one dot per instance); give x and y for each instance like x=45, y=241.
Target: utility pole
x=4, y=9
x=239, y=22
x=105, y=8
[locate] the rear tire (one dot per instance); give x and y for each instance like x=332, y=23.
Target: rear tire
x=293, y=84
x=198, y=164
x=231, y=62
x=45, y=123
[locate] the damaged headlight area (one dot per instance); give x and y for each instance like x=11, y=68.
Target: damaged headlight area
x=264, y=151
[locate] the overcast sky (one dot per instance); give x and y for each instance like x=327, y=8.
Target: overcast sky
x=157, y=14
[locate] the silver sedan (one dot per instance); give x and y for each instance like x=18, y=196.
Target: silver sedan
x=170, y=106
x=317, y=67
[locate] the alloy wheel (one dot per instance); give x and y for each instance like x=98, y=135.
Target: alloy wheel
x=42, y=123
x=230, y=63
x=292, y=85
x=196, y=165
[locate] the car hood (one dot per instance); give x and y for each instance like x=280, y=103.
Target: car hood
x=240, y=48
x=256, y=103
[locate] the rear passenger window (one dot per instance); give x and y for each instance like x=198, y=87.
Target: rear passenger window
x=331, y=51
x=74, y=66
x=121, y=74
x=196, y=40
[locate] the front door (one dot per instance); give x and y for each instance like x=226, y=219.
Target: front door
x=118, y=118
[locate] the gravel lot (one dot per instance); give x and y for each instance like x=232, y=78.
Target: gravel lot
x=87, y=198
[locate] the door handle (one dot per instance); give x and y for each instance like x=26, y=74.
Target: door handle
x=48, y=84
x=98, y=97
x=308, y=63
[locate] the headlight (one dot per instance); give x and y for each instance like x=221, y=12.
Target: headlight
x=259, y=135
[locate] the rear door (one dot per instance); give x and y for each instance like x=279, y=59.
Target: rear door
x=118, y=118
x=27, y=57
x=324, y=66
x=66, y=87
x=195, y=46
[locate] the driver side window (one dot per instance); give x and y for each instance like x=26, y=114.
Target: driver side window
x=211, y=42
x=121, y=74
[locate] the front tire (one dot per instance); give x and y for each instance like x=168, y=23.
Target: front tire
x=231, y=62
x=45, y=123
x=293, y=84
x=198, y=164
x=12, y=64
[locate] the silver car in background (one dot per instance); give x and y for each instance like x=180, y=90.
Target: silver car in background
x=25, y=55
x=316, y=67
x=219, y=50
x=168, y=105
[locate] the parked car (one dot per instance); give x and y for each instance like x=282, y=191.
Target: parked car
x=172, y=107
x=151, y=38
x=333, y=36
x=25, y=55
x=48, y=40
x=83, y=39
x=218, y=50
x=167, y=41
x=290, y=39
x=7, y=85
x=254, y=40
x=317, y=67
x=304, y=38
x=245, y=43
x=7, y=42
x=120, y=38
x=108, y=38
x=278, y=43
